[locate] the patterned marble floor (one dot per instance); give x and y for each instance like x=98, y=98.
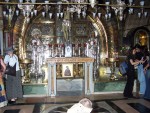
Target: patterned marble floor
x=102, y=103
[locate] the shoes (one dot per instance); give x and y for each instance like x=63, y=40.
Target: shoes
x=11, y=102
x=134, y=97
x=130, y=97
x=125, y=97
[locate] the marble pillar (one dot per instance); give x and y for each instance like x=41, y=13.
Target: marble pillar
x=1, y=31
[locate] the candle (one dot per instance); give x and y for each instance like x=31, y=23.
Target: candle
x=87, y=49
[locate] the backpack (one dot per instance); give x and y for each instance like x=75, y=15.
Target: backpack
x=123, y=67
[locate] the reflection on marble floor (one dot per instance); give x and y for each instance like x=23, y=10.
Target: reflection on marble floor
x=101, y=104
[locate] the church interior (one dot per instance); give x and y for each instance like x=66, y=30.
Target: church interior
x=71, y=49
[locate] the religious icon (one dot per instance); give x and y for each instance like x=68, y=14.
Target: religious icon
x=141, y=37
x=67, y=70
x=68, y=50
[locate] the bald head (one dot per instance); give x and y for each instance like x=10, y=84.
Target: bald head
x=86, y=102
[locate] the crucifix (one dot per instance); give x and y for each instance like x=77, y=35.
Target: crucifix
x=66, y=25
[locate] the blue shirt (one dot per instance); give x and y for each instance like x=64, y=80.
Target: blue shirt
x=12, y=60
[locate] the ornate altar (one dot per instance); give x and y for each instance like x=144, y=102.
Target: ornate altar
x=87, y=76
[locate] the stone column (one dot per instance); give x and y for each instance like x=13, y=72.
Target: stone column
x=52, y=79
x=89, y=84
x=1, y=31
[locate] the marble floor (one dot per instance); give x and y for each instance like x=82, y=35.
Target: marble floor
x=102, y=103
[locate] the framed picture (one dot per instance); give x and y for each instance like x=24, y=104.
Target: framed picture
x=80, y=29
x=68, y=50
x=67, y=70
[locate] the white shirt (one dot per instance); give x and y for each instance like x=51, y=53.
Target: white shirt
x=79, y=108
x=12, y=60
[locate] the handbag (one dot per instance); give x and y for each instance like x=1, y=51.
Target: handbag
x=10, y=70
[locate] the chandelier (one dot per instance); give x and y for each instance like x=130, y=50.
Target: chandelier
x=119, y=9
x=78, y=7
x=26, y=8
x=29, y=8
